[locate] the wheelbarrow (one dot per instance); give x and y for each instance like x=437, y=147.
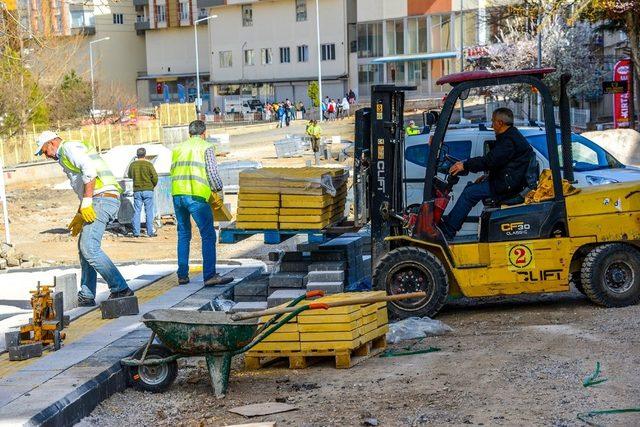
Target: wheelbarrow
x=217, y=336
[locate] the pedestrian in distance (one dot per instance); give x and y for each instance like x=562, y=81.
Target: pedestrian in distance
x=145, y=179
x=99, y=195
x=282, y=116
x=194, y=181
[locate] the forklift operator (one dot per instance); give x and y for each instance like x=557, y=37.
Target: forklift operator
x=506, y=164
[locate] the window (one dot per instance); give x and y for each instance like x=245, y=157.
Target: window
x=369, y=40
x=417, y=35
x=247, y=15
x=303, y=53
x=395, y=37
x=249, y=57
x=440, y=33
x=265, y=55
x=328, y=52
x=419, y=154
x=184, y=12
x=226, y=60
x=161, y=13
x=301, y=10
x=118, y=18
x=395, y=72
x=368, y=75
x=470, y=29
x=285, y=55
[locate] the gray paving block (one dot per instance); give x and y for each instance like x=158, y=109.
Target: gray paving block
x=68, y=285
x=328, y=266
x=252, y=288
x=250, y=298
x=327, y=287
x=283, y=296
x=116, y=307
x=307, y=247
x=286, y=280
x=11, y=339
x=26, y=351
x=294, y=266
x=249, y=306
x=325, y=276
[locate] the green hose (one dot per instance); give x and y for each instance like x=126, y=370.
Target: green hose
x=585, y=416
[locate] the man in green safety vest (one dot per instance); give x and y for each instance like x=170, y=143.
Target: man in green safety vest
x=195, y=187
x=315, y=132
x=412, y=129
x=99, y=195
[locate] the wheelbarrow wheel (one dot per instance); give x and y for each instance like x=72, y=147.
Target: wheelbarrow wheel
x=153, y=378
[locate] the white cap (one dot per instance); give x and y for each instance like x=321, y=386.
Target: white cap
x=45, y=137
x=411, y=122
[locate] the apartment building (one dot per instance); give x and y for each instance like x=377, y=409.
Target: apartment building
x=415, y=42
x=167, y=26
x=116, y=60
x=269, y=49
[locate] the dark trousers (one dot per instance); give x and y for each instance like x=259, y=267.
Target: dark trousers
x=471, y=195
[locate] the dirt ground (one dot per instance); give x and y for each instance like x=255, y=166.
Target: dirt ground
x=39, y=215
x=509, y=361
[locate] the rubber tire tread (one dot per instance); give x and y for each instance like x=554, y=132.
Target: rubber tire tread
x=158, y=350
x=591, y=270
x=431, y=262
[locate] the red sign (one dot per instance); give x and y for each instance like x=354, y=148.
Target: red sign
x=621, y=101
x=159, y=88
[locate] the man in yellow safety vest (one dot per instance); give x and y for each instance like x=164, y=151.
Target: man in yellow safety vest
x=412, y=129
x=99, y=195
x=195, y=183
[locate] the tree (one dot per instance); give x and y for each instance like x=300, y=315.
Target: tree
x=313, y=92
x=72, y=99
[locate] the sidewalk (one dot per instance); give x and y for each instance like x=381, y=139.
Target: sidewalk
x=61, y=387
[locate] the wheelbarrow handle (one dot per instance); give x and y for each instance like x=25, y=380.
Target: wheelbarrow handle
x=328, y=304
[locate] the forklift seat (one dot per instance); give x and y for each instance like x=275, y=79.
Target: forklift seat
x=531, y=183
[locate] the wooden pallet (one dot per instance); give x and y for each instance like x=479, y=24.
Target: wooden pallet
x=302, y=359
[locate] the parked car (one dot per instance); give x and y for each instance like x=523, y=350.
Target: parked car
x=592, y=164
x=246, y=106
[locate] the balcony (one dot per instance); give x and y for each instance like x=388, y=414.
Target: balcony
x=83, y=31
x=211, y=3
x=140, y=2
x=142, y=25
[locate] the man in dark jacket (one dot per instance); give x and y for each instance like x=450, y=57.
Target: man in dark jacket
x=145, y=179
x=506, y=164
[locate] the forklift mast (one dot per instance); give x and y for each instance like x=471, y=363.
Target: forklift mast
x=386, y=170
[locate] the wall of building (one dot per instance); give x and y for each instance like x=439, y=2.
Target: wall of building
x=275, y=26
x=372, y=10
x=172, y=50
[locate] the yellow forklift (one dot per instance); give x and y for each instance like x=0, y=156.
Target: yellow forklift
x=590, y=239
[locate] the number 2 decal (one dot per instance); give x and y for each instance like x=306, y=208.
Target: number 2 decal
x=520, y=257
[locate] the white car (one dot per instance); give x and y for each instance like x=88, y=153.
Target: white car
x=592, y=164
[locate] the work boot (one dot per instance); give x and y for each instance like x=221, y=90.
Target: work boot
x=121, y=294
x=183, y=280
x=218, y=280
x=85, y=301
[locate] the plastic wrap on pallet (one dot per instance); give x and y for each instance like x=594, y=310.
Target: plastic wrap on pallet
x=326, y=180
x=278, y=263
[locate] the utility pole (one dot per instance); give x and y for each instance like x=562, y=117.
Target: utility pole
x=539, y=62
x=319, y=60
x=461, y=54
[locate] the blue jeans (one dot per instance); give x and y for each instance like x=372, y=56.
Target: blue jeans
x=93, y=260
x=471, y=195
x=140, y=198
x=190, y=206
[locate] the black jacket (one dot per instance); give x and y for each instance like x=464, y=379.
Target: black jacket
x=506, y=162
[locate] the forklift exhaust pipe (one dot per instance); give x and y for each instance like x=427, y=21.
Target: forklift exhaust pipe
x=565, y=129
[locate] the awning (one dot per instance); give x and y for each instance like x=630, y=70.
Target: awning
x=166, y=77
x=275, y=80
x=416, y=57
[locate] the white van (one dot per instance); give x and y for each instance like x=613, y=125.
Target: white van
x=246, y=106
x=592, y=164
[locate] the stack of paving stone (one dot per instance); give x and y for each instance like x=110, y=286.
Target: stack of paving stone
x=333, y=332
x=337, y=263
x=308, y=198
x=251, y=295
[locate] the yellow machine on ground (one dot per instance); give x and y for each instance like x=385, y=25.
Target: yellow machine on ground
x=47, y=321
x=590, y=239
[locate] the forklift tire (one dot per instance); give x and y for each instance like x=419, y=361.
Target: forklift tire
x=610, y=275
x=411, y=269
x=577, y=282
x=156, y=378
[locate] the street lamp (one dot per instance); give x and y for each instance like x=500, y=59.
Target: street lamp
x=93, y=98
x=319, y=60
x=195, y=36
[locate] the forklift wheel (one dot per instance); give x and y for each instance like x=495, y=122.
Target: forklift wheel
x=411, y=269
x=610, y=275
x=576, y=281
x=155, y=378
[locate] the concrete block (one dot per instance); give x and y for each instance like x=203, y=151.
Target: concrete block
x=68, y=285
x=307, y=247
x=295, y=266
x=283, y=296
x=287, y=256
x=327, y=287
x=26, y=351
x=249, y=307
x=325, y=276
x=328, y=266
x=250, y=298
x=252, y=288
x=328, y=256
x=11, y=339
x=286, y=280
x=116, y=307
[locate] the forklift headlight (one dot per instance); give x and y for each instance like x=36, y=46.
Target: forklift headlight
x=599, y=180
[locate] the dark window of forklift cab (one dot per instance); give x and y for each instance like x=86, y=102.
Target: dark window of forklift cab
x=419, y=154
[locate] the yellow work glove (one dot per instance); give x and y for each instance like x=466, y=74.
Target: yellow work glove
x=76, y=224
x=216, y=200
x=86, y=210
